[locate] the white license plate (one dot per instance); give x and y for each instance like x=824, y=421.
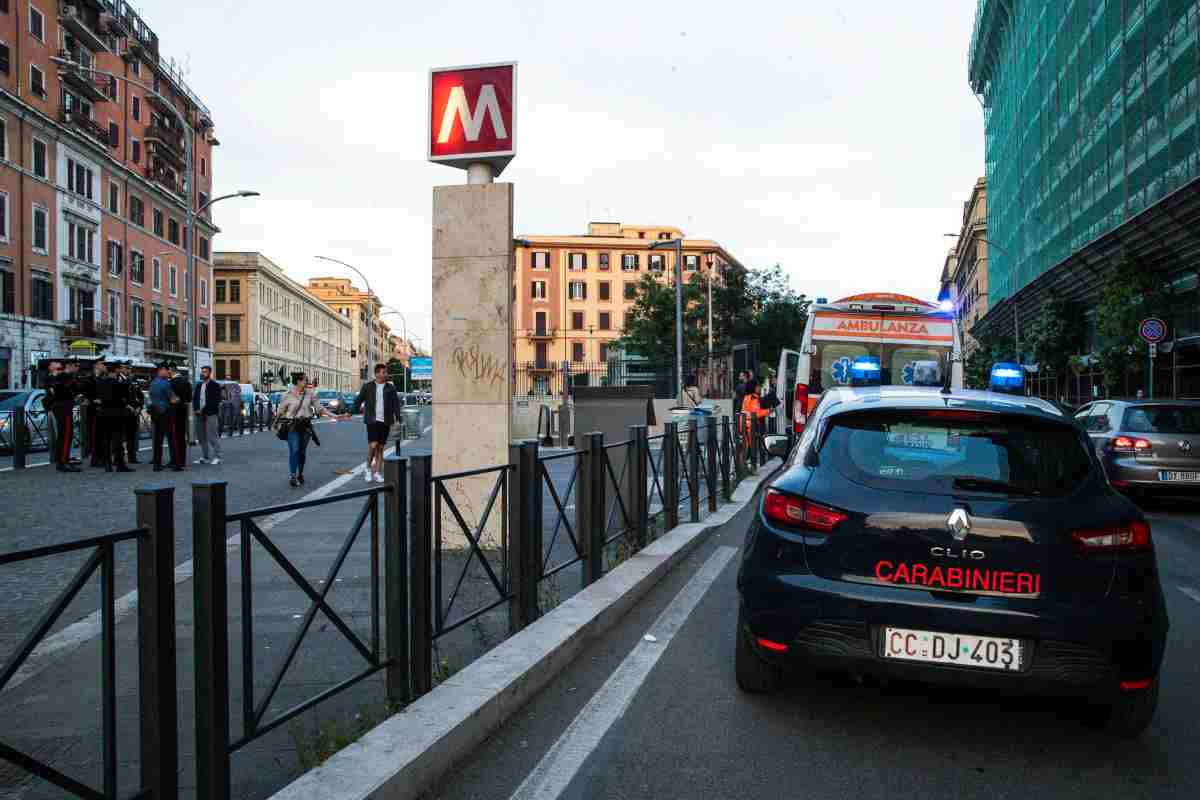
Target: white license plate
x=959, y=649
x=1178, y=475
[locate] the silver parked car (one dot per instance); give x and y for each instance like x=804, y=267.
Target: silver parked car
x=1146, y=445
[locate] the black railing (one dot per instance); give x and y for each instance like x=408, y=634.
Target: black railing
x=155, y=649
x=87, y=329
x=85, y=124
x=541, y=378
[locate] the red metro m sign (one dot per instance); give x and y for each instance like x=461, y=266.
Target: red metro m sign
x=472, y=115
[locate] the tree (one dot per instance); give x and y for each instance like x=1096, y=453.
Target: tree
x=977, y=370
x=1129, y=294
x=1056, y=334
x=650, y=323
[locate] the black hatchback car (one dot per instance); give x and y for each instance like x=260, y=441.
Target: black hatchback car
x=967, y=538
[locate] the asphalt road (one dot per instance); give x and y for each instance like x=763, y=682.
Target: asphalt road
x=688, y=732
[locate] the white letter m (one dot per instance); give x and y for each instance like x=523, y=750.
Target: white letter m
x=457, y=107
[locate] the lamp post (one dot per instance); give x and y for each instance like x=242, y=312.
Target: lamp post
x=677, y=246
x=370, y=298
x=189, y=186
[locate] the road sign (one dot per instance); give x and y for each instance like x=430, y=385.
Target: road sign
x=422, y=369
x=1152, y=330
x=472, y=115
x=1153, y=349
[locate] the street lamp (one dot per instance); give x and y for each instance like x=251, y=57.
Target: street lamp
x=385, y=310
x=189, y=184
x=370, y=296
x=677, y=246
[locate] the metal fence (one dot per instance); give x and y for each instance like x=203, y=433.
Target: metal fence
x=713, y=376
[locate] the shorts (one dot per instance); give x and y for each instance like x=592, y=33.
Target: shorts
x=377, y=432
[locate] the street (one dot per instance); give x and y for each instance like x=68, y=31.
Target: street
x=689, y=732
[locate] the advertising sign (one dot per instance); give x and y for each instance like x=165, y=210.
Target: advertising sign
x=421, y=369
x=472, y=115
x=1152, y=330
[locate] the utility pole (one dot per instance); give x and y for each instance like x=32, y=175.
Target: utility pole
x=677, y=245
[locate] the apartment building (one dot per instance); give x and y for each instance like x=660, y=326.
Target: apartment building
x=346, y=299
x=964, y=279
x=93, y=202
x=268, y=327
x=571, y=293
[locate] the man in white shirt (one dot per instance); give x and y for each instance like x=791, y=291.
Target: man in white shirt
x=206, y=405
x=380, y=406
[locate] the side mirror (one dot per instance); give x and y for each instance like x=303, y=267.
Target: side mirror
x=776, y=445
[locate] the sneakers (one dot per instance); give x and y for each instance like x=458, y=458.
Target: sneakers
x=378, y=477
x=200, y=461
x=368, y=476
x=215, y=461
x=293, y=482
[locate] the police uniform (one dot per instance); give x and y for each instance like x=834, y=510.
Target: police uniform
x=181, y=388
x=134, y=401
x=109, y=420
x=86, y=388
x=60, y=389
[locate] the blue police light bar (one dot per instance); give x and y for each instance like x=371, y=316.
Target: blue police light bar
x=1008, y=378
x=865, y=371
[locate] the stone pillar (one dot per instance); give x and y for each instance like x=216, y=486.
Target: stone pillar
x=472, y=346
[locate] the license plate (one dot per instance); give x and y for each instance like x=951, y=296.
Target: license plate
x=1178, y=475
x=959, y=649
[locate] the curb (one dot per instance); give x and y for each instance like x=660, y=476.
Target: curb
x=407, y=754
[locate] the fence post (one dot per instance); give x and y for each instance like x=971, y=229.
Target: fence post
x=589, y=504
x=740, y=451
x=420, y=538
x=157, y=689
x=726, y=450
x=710, y=453
x=395, y=576
x=524, y=535
x=670, y=474
x=639, y=452
x=693, y=469
x=18, y=437
x=210, y=593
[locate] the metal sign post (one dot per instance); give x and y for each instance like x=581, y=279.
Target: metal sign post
x=1152, y=330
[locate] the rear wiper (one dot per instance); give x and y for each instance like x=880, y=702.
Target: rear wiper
x=989, y=485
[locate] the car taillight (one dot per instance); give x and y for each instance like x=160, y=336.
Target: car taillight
x=800, y=408
x=793, y=511
x=1128, y=536
x=1131, y=444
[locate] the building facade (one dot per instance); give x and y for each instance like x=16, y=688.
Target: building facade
x=965, y=271
x=346, y=299
x=93, y=202
x=571, y=293
x=267, y=327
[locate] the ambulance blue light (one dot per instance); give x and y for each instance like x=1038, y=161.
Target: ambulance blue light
x=865, y=371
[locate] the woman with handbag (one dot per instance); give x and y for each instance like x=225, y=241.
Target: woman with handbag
x=293, y=423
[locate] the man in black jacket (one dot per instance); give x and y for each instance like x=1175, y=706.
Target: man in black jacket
x=110, y=402
x=206, y=405
x=131, y=419
x=181, y=391
x=380, y=406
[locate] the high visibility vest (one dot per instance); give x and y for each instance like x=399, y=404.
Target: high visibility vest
x=751, y=406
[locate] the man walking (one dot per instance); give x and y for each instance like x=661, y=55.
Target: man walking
x=206, y=405
x=160, y=415
x=380, y=405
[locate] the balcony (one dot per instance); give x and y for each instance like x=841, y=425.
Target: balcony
x=82, y=23
x=164, y=176
x=160, y=103
x=542, y=333
x=158, y=149
x=85, y=83
x=165, y=345
x=88, y=329
x=84, y=124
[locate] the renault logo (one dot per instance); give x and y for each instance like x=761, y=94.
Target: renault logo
x=959, y=524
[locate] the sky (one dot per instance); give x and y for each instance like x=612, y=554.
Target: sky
x=840, y=143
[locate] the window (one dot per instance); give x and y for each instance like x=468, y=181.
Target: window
x=114, y=134
x=541, y=260
x=79, y=178
x=629, y=262
x=605, y=321
x=235, y=370
x=577, y=351
x=42, y=292
x=5, y=64
x=219, y=328
x=156, y=322
x=137, y=211
x=135, y=153
x=604, y=261
x=202, y=334
x=664, y=235
x=158, y=222
x=691, y=262
x=630, y=291
x=235, y=291
x=203, y=248
x=82, y=304
x=81, y=242
x=39, y=159
x=4, y=216
x=156, y=267
x=114, y=198
x=187, y=285
x=135, y=67
x=538, y=290
x=235, y=330
x=172, y=280
x=136, y=105
x=219, y=287
x=203, y=166
x=4, y=139
x=603, y=351
x=204, y=292
x=114, y=310
x=41, y=227
x=37, y=81
x=605, y=291
x=8, y=290
x=137, y=267
x=539, y=323
x=37, y=24
x=576, y=320
x=116, y=258
x=577, y=290
x=173, y=231
x=577, y=261
x=137, y=319
x=656, y=261
x=220, y=368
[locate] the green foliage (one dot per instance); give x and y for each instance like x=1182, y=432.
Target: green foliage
x=1129, y=295
x=977, y=369
x=1056, y=334
x=650, y=323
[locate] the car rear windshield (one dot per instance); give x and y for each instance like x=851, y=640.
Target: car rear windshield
x=1162, y=419
x=945, y=453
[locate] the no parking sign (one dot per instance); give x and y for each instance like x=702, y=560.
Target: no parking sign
x=1152, y=330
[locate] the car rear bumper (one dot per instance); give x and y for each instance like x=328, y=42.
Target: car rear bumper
x=840, y=624
x=1128, y=472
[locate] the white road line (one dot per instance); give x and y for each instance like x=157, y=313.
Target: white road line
x=75, y=634
x=1190, y=592
x=550, y=778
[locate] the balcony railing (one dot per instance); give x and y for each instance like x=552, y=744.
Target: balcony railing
x=85, y=124
x=89, y=85
x=75, y=17
x=158, y=150
x=164, y=177
x=87, y=329
x=165, y=344
x=169, y=138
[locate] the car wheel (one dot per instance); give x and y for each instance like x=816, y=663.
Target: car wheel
x=1131, y=712
x=754, y=675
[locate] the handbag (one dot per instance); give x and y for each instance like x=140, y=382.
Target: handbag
x=282, y=428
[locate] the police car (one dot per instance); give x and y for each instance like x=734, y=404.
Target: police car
x=957, y=537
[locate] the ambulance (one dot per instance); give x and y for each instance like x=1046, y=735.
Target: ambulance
x=867, y=339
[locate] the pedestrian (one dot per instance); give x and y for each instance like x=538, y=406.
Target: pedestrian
x=293, y=422
x=380, y=406
x=739, y=393
x=206, y=405
x=60, y=391
x=135, y=400
x=110, y=405
x=181, y=391
x=161, y=417
x=87, y=416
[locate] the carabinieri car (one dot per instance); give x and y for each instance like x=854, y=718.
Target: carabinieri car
x=952, y=536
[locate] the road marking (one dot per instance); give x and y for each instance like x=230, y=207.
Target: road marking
x=550, y=778
x=1190, y=592
x=77, y=633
